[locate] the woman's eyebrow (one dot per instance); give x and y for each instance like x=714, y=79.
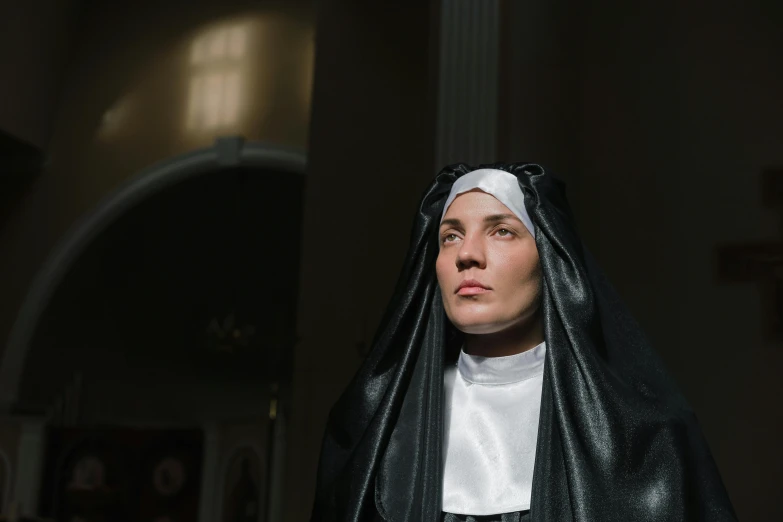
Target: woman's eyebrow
x=500, y=217
x=452, y=222
x=494, y=218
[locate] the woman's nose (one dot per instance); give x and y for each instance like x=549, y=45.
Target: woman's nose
x=471, y=254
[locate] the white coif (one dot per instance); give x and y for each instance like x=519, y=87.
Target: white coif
x=492, y=406
x=503, y=185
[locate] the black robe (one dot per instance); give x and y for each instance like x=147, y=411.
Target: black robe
x=616, y=439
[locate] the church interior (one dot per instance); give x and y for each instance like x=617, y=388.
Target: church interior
x=204, y=207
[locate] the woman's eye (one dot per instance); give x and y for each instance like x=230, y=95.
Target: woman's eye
x=504, y=232
x=448, y=238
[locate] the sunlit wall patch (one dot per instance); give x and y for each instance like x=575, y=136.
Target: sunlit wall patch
x=218, y=63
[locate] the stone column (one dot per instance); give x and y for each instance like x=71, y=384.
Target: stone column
x=468, y=82
x=210, y=478
x=29, y=465
x=275, y=509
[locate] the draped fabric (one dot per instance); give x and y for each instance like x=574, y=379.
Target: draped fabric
x=616, y=439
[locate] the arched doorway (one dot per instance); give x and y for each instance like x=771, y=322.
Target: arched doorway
x=171, y=305
x=227, y=153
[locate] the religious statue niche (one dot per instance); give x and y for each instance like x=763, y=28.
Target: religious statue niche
x=171, y=478
x=242, y=489
x=122, y=474
x=90, y=481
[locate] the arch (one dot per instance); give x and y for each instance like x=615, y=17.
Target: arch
x=227, y=152
x=225, y=467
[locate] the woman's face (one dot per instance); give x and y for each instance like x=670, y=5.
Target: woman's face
x=488, y=267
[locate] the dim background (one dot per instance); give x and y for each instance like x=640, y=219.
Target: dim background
x=204, y=207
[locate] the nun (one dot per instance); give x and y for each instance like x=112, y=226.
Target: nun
x=507, y=381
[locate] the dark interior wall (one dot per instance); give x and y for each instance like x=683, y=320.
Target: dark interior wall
x=540, y=85
x=665, y=115
x=124, y=106
x=36, y=37
x=371, y=155
x=677, y=124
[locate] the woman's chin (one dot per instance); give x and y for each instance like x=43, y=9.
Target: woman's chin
x=479, y=326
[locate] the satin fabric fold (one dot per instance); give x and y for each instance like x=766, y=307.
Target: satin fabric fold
x=616, y=440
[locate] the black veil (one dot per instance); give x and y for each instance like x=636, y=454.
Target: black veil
x=616, y=439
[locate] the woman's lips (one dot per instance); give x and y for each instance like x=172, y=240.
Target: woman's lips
x=472, y=290
x=471, y=287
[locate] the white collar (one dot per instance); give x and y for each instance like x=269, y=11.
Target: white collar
x=502, y=370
